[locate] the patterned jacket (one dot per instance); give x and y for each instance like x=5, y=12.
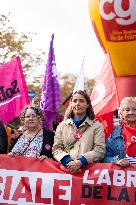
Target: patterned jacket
x=48, y=140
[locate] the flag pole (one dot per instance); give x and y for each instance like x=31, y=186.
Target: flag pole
x=80, y=84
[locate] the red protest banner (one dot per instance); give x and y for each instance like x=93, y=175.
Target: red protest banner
x=29, y=181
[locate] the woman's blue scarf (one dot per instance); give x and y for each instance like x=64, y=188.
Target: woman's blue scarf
x=78, y=122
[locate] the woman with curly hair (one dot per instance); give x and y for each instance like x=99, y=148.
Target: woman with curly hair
x=121, y=144
x=79, y=139
x=34, y=140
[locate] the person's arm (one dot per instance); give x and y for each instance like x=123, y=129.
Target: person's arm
x=98, y=151
x=109, y=157
x=65, y=160
x=48, y=140
x=58, y=147
x=114, y=157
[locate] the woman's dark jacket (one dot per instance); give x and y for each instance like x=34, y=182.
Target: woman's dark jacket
x=3, y=139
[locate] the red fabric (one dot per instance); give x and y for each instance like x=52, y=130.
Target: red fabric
x=66, y=103
x=28, y=180
x=107, y=122
x=104, y=95
x=129, y=134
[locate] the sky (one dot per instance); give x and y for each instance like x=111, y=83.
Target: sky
x=69, y=21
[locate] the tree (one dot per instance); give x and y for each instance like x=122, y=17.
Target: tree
x=13, y=43
x=67, y=83
x=89, y=84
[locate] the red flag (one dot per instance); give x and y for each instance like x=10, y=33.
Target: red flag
x=67, y=101
x=13, y=91
x=107, y=122
x=104, y=95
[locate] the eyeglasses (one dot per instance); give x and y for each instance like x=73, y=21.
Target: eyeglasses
x=31, y=116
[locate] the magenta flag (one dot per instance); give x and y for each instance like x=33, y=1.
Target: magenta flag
x=13, y=91
x=50, y=98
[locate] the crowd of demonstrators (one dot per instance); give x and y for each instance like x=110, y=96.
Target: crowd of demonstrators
x=121, y=144
x=79, y=139
x=34, y=141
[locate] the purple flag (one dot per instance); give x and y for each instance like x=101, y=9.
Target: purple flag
x=50, y=98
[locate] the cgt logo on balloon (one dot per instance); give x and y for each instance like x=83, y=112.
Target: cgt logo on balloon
x=118, y=19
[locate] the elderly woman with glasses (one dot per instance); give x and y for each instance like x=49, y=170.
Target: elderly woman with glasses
x=34, y=140
x=121, y=144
